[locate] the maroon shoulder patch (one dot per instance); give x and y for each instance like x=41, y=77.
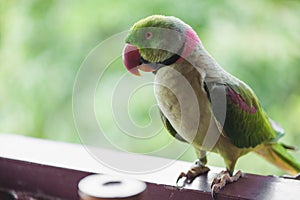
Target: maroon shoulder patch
x=238, y=100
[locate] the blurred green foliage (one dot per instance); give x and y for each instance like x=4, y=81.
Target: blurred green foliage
x=43, y=43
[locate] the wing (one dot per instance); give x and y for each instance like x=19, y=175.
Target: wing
x=245, y=124
x=170, y=128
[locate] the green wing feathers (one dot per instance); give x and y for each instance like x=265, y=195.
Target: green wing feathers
x=278, y=155
x=246, y=123
x=248, y=126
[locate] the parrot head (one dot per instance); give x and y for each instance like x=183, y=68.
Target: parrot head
x=157, y=41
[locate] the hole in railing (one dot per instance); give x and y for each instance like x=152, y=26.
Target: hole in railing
x=112, y=183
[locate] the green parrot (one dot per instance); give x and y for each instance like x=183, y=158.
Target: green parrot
x=200, y=103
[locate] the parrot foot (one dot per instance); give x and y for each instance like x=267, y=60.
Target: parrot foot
x=222, y=179
x=191, y=174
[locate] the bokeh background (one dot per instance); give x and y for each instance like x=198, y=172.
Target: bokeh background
x=43, y=43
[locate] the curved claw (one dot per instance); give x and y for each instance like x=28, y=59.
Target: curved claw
x=214, y=194
x=181, y=175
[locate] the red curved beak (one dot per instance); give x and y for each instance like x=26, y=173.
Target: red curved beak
x=131, y=59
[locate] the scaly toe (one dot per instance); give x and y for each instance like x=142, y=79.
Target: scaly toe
x=191, y=175
x=196, y=171
x=222, y=179
x=217, y=179
x=214, y=182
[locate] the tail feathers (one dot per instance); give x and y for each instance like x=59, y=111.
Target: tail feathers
x=277, y=154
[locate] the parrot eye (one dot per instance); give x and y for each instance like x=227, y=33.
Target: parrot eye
x=148, y=35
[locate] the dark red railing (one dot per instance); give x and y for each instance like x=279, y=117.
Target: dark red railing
x=26, y=179
x=22, y=175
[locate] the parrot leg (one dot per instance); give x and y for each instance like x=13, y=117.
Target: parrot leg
x=198, y=169
x=222, y=179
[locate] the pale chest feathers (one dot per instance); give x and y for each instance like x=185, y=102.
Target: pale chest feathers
x=182, y=99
